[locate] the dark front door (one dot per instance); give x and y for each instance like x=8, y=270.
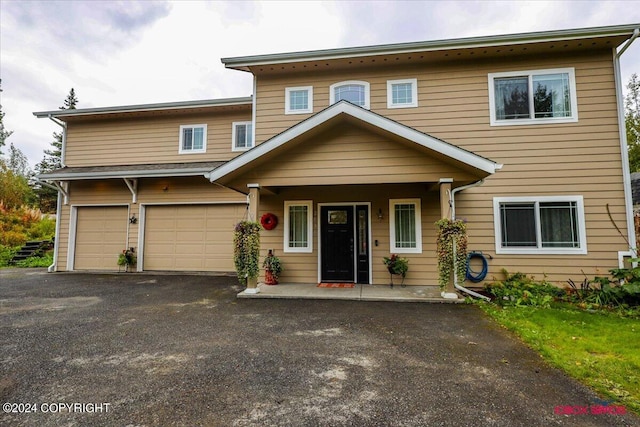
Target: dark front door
x=337, y=241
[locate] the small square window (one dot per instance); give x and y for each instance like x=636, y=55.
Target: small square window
x=298, y=100
x=242, y=136
x=402, y=93
x=193, y=139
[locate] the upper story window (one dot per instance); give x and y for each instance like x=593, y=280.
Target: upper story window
x=402, y=93
x=527, y=97
x=298, y=100
x=356, y=92
x=193, y=139
x=242, y=136
x=540, y=225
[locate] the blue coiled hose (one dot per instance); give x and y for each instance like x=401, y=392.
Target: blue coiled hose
x=477, y=276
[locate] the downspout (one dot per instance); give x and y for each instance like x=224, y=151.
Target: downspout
x=453, y=215
x=626, y=173
x=56, y=243
x=63, y=149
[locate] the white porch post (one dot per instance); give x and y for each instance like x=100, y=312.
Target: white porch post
x=254, y=205
x=449, y=291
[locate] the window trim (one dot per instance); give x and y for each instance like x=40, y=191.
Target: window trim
x=287, y=100
x=582, y=233
x=367, y=91
x=233, y=135
x=181, y=150
x=529, y=74
x=309, y=247
x=414, y=93
x=392, y=226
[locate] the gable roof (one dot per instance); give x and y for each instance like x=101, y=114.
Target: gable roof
x=351, y=110
x=618, y=32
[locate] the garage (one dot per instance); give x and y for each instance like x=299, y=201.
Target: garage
x=101, y=234
x=190, y=237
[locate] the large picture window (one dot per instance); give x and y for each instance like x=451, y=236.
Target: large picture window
x=356, y=92
x=405, y=226
x=526, y=97
x=298, y=226
x=552, y=224
x=193, y=139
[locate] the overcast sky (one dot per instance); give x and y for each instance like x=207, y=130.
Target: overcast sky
x=137, y=52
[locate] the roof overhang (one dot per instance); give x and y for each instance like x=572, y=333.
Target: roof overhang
x=130, y=171
x=146, y=108
x=367, y=117
x=244, y=63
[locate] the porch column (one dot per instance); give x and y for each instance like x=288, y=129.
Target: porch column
x=254, y=204
x=449, y=291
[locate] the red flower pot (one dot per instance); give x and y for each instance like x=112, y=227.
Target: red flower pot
x=269, y=279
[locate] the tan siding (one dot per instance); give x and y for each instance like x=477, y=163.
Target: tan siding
x=348, y=154
x=580, y=158
x=147, y=140
x=303, y=267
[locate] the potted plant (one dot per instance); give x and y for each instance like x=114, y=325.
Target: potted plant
x=272, y=269
x=127, y=258
x=396, y=265
x=246, y=252
x=451, y=245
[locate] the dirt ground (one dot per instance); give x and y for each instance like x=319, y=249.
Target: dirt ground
x=148, y=350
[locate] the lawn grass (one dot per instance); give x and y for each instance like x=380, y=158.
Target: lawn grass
x=602, y=350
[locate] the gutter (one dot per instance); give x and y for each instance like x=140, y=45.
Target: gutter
x=56, y=243
x=626, y=173
x=455, y=275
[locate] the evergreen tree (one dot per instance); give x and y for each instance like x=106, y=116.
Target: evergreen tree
x=4, y=134
x=52, y=160
x=632, y=122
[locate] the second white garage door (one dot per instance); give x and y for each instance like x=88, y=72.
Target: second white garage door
x=190, y=237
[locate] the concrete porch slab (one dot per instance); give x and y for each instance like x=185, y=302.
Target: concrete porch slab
x=357, y=293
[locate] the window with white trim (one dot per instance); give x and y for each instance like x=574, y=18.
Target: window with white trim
x=402, y=93
x=540, y=225
x=298, y=100
x=354, y=91
x=528, y=97
x=298, y=226
x=193, y=139
x=405, y=226
x=242, y=136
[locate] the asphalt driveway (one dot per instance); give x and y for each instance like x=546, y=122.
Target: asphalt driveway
x=138, y=349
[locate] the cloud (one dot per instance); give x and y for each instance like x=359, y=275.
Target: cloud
x=132, y=52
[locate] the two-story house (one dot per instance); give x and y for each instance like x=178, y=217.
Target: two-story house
x=357, y=152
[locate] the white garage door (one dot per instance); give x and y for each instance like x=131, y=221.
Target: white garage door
x=101, y=234
x=190, y=237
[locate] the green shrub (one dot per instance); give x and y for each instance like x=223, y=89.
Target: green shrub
x=35, y=261
x=519, y=290
x=6, y=253
x=45, y=229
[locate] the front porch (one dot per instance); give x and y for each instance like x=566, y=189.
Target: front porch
x=359, y=292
